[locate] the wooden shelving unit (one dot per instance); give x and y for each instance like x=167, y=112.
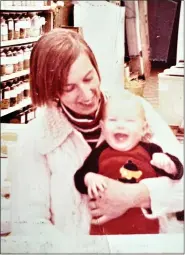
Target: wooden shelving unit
x=47, y=12
x=14, y=75
x=19, y=41
x=24, y=103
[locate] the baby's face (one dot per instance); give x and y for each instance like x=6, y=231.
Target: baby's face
x=123, y=127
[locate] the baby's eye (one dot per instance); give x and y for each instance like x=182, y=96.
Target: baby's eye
x=112, y=119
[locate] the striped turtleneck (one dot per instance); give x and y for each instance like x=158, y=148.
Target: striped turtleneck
x=88, y=126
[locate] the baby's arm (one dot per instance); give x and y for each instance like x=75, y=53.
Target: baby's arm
x=89, y=170
x=165, y=164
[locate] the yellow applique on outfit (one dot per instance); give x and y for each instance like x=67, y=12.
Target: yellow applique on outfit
x=129, y=174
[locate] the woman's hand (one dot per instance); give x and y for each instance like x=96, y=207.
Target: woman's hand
x=117, y=199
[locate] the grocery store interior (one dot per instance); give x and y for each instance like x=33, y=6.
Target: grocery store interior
x=140, y=43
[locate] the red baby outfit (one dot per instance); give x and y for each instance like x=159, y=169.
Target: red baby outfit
x=129, y=167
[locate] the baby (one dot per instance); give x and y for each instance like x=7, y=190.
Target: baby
x=126, y=155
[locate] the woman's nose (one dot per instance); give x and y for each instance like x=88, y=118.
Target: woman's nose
x=85, y=92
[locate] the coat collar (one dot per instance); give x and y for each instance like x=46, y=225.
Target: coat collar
x=53, y=128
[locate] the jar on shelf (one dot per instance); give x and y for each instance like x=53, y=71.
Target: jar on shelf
x=15, y=64
x=28, y=26
x=30, y=47
x=10, y=28
x=14, y=3
x=20, y=56
x=4, y=30
x=18, y=118
x=22, y=25
x=35, y=25
x=13, y=94
x=16, y=27
x=9, y=63
x=42, y=23
x=3, y=63
x=30, y=114
x=18, y=3
x=21, y=89
x=26, y=86
x=26, y=52
x=5, y=103
x=24, y=3
x=18, y=90
x=15, y=85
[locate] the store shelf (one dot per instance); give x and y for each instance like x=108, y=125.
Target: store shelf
x=14, y=75
x=24, y=103
x=19, y=41
x=25, y=8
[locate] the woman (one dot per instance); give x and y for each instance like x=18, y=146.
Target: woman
x=65, y=83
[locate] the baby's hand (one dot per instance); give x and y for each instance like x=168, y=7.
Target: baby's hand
x=162, y=161
x=95, y=184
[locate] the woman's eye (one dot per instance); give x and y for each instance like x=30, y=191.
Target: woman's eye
x=69, y=88
x=88, y=79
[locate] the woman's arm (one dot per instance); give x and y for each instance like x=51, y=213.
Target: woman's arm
x=166, y=195
x=162, y=133
x=117, y=199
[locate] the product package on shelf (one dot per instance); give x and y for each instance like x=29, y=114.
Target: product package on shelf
x=9, y=136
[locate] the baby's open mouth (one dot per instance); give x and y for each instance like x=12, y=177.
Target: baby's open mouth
x=120, y=137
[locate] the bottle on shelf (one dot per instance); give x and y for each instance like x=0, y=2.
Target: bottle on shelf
x=42, y=23
x=24, y=3
x=4, y=30
x=5, y=103
x=22, y=25
x=9, y=63
x=16, y=27
x=26, y=57
x=26, y=86
x=35, y=25
x=30, y=113
x=10, y=28
x=13, y=96
x=18, y=117
x=21, y=89
x=30, y=47
x=3, y=63
x=20, y=56
x=28, y=26
x=18, y=90
x=15, y=62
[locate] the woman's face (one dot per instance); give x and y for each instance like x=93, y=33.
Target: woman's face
x=82, y=91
